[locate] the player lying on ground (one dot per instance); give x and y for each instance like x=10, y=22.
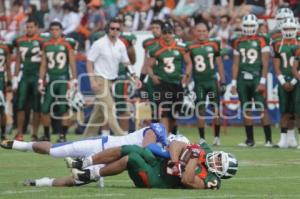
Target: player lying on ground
x=70, y=181
x=191, y=166
x=145, y=137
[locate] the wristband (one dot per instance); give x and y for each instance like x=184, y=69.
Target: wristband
x=233, y=82
x=262, y=80
x=281, y=79
x=294, y=81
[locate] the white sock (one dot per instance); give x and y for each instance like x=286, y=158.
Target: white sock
x=44, y=182
x=101, y=182
x=22, y=146
x=105, y=132
x=95, y=173
x=291, y=131
x=87, y=162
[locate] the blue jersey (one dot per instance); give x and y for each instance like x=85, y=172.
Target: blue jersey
x=160, y=132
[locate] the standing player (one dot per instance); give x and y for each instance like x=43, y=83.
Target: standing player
x=284, y=50
x=57, y=57
x=5, y=60
x=29, y=56
x=167, y=76
x=249, y=72
x=281, y=15
x=204, y=53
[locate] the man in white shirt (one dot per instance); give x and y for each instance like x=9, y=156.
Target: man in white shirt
x=103, y=61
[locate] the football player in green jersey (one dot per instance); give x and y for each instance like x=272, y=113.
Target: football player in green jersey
x=57, y=57
x=249, y=72
x=280, y=16
x=5, y=60
x=165, y=68
x=205, y=53
x=284, y=51
x=191, y=166
x=29, y=56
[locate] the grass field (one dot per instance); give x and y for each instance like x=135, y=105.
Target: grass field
x=263, y=173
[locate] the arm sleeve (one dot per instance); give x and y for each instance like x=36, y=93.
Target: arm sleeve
x=158, y=151
x=94, y=51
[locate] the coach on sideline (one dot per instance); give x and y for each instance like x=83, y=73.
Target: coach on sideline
x=103, y=61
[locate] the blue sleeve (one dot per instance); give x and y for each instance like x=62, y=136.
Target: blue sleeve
x=160, y=132
x=158, y=151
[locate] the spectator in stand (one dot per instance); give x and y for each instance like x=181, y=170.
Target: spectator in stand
x=183, y=10
x=14, y=20
x=42, y=14
x=111, y=8
x=55, y=14
x=71, y=19
x=157, y=11
x=31, y=12
x=223, y=31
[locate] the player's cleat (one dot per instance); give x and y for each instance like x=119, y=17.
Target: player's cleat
x=44, y=138
x=282, y=142
x=19, y=137
x=247, y=144
x=268, y=144
x=291, y=139
x=216, y=141
x=61, y=139
x=82, y=175
x=29, y=182
x=34, y=138
x=74, y=163
x=7, y=144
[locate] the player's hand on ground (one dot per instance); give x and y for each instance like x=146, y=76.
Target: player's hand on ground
x=155, y=79
x=288, y=87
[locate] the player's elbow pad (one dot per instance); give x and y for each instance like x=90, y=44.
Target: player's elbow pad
x=158, y=151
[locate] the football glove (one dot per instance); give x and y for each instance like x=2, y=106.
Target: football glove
x=175, y=168
x=195, y=150
x=14, y=83
x=188, y=104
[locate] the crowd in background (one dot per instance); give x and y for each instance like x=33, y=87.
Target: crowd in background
x=81, y=19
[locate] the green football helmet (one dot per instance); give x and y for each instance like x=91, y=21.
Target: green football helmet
x=223, y=164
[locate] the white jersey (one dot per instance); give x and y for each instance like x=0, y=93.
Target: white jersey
x=135, y=138
x=90, y=146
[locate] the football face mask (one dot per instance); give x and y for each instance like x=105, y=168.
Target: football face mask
x=289, y=28
x=223, y=164
x=249, y=25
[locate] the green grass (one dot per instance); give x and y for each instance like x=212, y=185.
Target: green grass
x=263, y=173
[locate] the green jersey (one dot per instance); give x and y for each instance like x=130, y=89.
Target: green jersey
x=170, y=60
x=203, y=56
x=150, y=43
x=30, y=52
x=285, y=50
x=57, y=56
x=250, y=49
x=211, y=180
x=5, y=50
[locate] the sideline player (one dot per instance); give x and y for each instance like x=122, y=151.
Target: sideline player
x=205, y=52
x=249, y=72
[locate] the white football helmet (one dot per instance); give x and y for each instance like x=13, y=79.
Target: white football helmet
x=188, y=104
x=223, y=164
x=289, y=28
x=281, y=15
x=75, y=99
x=249, y=25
